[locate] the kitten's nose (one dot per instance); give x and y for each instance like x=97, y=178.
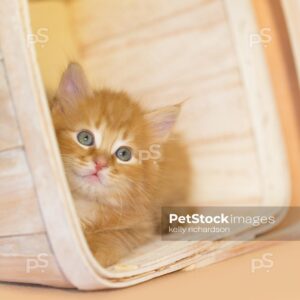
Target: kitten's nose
x=100, y=164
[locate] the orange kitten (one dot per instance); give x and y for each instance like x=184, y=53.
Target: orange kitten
x=122, y=163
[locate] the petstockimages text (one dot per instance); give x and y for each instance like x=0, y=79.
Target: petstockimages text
x=220, y=219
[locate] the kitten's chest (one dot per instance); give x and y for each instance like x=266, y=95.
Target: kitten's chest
x=87, y=210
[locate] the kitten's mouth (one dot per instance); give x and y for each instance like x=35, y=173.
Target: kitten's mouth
x=93, y=178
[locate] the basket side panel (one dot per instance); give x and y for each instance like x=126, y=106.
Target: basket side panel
x=29, y=259
x=18, y=202
x=9, y=133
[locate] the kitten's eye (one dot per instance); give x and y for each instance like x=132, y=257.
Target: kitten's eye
x=85, y=138
x=124, y=153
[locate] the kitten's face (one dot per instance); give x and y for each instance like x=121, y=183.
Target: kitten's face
x=100, y=141
x=101, y=136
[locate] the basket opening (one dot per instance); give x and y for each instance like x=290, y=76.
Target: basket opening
x=141, y=49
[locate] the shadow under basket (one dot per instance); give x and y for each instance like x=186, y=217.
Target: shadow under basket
x=161, y=53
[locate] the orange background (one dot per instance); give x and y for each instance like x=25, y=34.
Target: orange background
x=231, y=279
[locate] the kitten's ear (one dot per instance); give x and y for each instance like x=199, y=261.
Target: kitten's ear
x=73, y=86
x=162, y=121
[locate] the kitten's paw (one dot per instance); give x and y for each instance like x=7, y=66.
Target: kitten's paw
x=107, y=259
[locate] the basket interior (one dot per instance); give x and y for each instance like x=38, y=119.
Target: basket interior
x=163, y=54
